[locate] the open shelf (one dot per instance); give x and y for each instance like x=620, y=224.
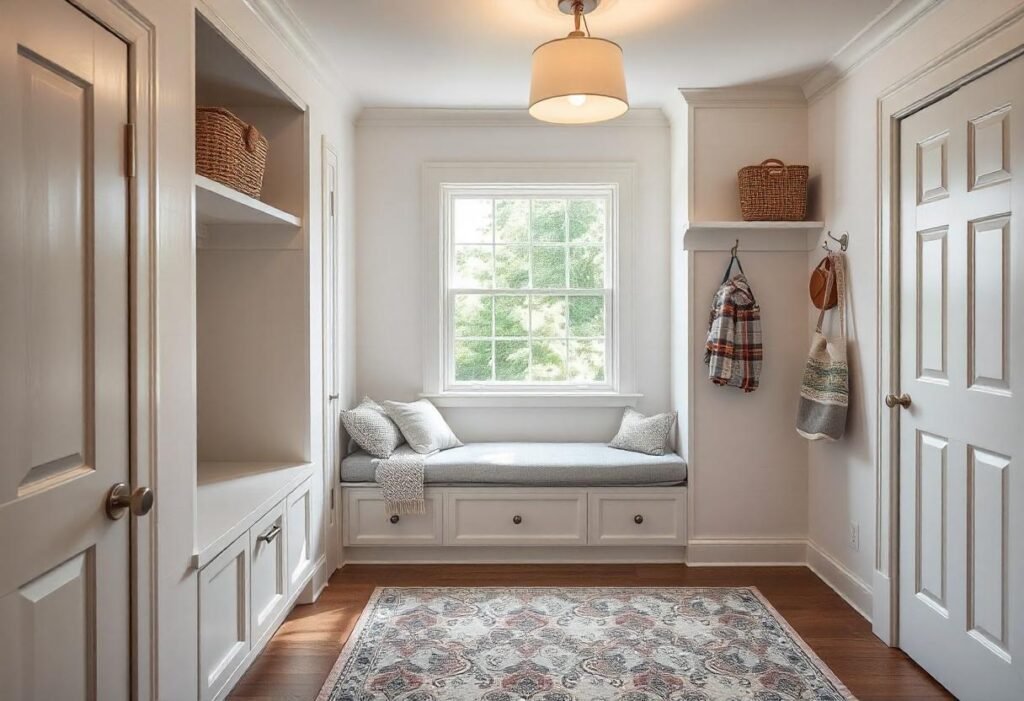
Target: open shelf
x=218, y=204
x=232, y=496
x=752, y=235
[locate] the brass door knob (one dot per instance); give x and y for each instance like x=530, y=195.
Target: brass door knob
x=892, y=401
x=121, y=500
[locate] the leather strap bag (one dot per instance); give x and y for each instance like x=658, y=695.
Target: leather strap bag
x=825, y=386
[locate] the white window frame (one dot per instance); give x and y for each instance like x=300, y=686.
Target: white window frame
x=441, y=183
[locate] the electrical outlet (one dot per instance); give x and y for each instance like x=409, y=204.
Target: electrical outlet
x=854, y=537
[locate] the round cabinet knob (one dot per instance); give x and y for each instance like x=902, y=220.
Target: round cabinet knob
x=120, y=500
x=517, y=519
x=638, y=519
x=892, y=401
x=394, y=518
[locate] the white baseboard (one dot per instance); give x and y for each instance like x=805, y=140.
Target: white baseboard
x=418, y=555
x=731, y=552
x=881, y=610
x=849, y=586
x=316, y=584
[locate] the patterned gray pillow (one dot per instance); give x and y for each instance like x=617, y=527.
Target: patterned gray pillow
x=644, y=434
x=369, y=426
x=422, y=425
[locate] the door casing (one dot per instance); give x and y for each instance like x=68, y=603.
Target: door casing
x=977, y=55
x=132, y=27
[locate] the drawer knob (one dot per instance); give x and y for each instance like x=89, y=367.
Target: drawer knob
x=394, y=518
x=638, y=519
x=517, y=519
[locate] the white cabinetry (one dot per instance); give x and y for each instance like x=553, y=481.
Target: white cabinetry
x=512, y=516
x=269, y=583
x=224, y=632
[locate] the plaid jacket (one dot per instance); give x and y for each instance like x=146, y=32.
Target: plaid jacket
x=733, y=352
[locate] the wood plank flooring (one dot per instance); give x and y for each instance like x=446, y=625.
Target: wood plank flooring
x=295, y=663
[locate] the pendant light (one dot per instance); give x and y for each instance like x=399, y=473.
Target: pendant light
x=578, y=79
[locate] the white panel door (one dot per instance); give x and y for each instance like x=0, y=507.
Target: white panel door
x=961, y=567
x=64, y=579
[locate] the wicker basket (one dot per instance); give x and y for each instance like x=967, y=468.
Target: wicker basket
x=773, y=191
x=230, y=151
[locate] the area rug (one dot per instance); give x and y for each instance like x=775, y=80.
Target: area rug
x=565, y=644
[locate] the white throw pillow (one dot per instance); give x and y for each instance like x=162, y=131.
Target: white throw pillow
x=421, y=423
x=644, y=434
x=369, y=426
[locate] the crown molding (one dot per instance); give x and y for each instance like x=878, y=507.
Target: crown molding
x=749, y=96
x=882, y=30
x=278, y=16
x=444, y=117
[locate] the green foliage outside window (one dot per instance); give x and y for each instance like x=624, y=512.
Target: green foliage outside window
x=554, y=251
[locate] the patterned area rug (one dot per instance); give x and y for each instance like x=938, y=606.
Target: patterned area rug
x=594, y=644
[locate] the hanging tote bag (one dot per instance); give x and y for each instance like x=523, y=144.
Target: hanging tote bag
x=825, y=387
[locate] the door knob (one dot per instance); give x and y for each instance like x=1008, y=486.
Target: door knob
x=892, y=401
x=120, y=499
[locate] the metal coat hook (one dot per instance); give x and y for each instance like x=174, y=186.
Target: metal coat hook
x=736, y=247
x=843, y=241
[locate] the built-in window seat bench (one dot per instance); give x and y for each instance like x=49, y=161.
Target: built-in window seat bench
x=539, y=502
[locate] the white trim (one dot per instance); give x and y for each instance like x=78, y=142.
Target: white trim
x=851, y=588
x=284, y=24
x=722, y=552
x=434, y=178
x=485, y=555
x=983, y=51
x=744, y=97
x=486, y=117
x=879, y=33
x=547, y=400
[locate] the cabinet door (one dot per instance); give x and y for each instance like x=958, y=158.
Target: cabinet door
x=223, y=617
x=268, y=581
x=369, y=523
x=516, y=517
x=641, y=516
x=298, y=529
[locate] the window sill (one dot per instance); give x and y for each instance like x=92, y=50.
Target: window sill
x=544, y=400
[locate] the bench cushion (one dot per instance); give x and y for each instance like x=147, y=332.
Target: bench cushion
x=534, y=465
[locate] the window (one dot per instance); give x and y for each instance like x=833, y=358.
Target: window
x=529, y=288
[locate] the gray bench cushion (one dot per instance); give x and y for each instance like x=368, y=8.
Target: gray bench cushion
x=535, y=465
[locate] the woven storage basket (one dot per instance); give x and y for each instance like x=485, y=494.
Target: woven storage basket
x=773, y=191
x=230, y=151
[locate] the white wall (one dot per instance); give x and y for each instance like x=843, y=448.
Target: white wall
x=389, y=154
x=843, y=137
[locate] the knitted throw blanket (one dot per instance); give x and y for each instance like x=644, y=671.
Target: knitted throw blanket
x=401, y=482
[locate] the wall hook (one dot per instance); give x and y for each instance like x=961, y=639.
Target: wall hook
x=735, y=248
x=843, y=241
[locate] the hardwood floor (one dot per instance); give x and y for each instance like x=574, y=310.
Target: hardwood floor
x=295, y=663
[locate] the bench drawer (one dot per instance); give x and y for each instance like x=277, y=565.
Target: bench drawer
x=368, y=523
x=516, y=517
x=268, y=582
x=641, y=516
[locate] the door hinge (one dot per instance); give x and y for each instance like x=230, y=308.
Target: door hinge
x=129, y=150
x=332, y=499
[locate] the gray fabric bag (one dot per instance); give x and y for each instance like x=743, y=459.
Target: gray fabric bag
x=825, y=387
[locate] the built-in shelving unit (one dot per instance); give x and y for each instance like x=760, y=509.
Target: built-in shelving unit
x=219, y=205
x=252, y=307
x=752, y=235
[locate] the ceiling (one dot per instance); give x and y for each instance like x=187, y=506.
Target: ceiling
x=476, y=53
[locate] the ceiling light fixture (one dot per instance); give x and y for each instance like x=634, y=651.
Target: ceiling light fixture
x=578, y=79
